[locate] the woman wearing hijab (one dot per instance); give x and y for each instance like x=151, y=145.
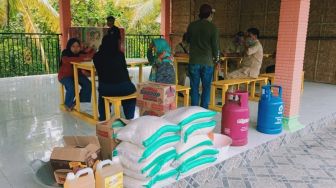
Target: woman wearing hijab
x=73, y=53
x=159, y=56
x=113, y=76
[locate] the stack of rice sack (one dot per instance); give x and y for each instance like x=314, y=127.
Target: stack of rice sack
x=195, y=148
x=147, y=150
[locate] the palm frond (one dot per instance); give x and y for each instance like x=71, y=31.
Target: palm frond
x=3, y=12
x=142, y=11
x=46, y=10
x=128, y=3
x=31, y=28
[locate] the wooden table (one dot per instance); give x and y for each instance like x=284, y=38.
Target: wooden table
x=89, y=66
x=132, y=62
x=185, y=60
x=224, y=61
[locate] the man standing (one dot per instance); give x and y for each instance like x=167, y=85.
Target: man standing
x=204, y=51
x=114, y=30
x=252, y=60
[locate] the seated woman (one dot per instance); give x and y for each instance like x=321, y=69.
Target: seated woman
x=73, y=53
x=159, y=56
x=113, y=76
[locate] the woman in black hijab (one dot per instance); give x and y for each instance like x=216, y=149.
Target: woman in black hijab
x=113, y=76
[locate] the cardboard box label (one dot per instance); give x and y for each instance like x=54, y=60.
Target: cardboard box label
x=158, y=93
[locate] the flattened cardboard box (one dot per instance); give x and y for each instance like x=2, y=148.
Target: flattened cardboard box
x=83, y=149
x=157, y=93
x=104, y=132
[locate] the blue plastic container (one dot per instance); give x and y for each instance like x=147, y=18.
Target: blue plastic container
x=270, y=111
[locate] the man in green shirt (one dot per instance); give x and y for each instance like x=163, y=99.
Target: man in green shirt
x=204, y=51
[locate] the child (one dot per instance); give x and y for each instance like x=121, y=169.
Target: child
x=73, y=53
x=159, y=56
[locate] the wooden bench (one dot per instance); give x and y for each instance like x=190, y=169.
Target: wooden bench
x=225, y=84
x=185, y=91
x=116, y=102
x=254, y=96
x=271, y=77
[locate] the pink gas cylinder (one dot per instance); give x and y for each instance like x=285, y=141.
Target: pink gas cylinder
x=236, y=117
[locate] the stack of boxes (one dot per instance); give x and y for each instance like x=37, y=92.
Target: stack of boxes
x=156, y=98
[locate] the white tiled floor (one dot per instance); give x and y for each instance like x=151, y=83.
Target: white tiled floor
x=31, y=123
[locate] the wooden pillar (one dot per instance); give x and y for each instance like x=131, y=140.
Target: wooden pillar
x=165, y=18
x=293, y=23
x=65, y=20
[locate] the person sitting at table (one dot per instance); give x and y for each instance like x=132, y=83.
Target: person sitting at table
x=252, y=60
x=159, y=56
x=235, y=48
x=73, y=53
x=113, y=77
x=182, y=50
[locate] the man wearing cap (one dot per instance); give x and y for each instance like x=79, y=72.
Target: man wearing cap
x=204, y=54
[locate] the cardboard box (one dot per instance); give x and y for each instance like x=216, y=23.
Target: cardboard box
x=157, y=107
x=157, y=110
x=157, y=93
x=150, y=112
x=104, y=132
x=82, y=149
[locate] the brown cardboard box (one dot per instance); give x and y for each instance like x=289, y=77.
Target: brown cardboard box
x=157, y=110
x=104, y=132
x=157, y=93
x=83, y=149
x=156, y=107
x=150, y=112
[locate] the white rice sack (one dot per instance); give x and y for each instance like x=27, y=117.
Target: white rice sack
x=195, y=165
x=191, y=114
x=146, y=130
x=130, y=182
x=145, y=176
x=199, y=152
x=200, y=128
x=142, y=154
x=193, y=143
x=152, y=165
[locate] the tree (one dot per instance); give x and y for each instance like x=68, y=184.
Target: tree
x=143, y=15
x=31, y=12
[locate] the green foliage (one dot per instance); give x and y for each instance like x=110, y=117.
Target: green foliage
x=20, y=56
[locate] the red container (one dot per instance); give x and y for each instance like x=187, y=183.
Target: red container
x=236, y=117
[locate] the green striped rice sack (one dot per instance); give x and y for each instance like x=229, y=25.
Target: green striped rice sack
x=148, y=130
